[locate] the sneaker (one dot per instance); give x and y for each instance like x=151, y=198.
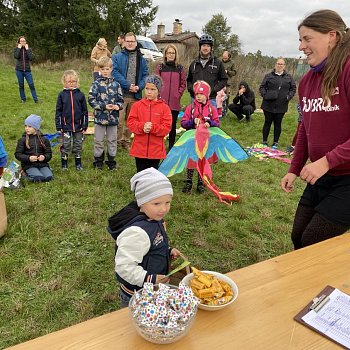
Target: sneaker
x=78, y=167
x=274, y=145
x=290, y=149
x=112, y=167
x=242, y=119
x=23, y=101
x=265, y=144
x=187, y=188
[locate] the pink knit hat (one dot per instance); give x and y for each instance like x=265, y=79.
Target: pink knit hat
x=201, y=87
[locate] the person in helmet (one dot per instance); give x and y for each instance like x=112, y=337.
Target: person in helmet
x=207, y=67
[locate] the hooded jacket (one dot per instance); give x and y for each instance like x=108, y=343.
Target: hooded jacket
x=213, y=73
x=284, y=88
x=38, y=145
x=142, y=248
x=71, y=111
x=149, y=145
x=247, y=98
x=174, y=83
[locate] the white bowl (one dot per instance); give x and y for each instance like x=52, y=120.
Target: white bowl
x=186, y=280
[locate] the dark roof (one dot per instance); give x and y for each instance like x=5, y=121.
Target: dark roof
x=170, y=37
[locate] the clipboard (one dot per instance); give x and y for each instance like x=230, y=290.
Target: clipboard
x=317, y=304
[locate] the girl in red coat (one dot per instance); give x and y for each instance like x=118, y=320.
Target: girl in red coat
x=150, y=120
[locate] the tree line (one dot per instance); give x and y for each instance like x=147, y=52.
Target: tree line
x=59, y=28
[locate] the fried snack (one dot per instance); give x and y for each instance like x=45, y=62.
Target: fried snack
x=197, y=284
x=209, y=289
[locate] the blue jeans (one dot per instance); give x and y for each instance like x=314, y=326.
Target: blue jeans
x=20, y=77
x=39, y=174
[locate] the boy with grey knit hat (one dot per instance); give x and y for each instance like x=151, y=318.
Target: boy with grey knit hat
x=142, y=245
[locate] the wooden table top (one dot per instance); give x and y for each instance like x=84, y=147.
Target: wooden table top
x=271, y=293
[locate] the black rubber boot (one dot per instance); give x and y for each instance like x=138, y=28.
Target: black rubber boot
x=200, y=185
x=111, y=163
x=98, y=163
x=78, y=165
x=64, y=163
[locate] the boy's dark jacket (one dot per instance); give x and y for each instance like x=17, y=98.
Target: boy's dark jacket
x=71, y=106
x=156, y=261
x=36, y=148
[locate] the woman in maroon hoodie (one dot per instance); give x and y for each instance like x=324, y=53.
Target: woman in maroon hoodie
x=324, y=134
x=174, y=84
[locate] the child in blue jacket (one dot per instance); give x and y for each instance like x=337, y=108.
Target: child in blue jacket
x=71, y=118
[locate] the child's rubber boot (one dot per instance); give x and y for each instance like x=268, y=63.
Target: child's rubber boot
x=98, y=163
x=187, y=187
x=111, y=163
x=78, y=165
x=200, y=185
x=64, y=163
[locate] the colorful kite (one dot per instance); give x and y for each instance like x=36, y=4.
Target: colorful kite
x=197, y=149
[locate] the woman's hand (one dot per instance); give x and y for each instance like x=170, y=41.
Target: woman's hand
x=41, y=158
x=313, y=171
x=33, y=159
x=287, y=182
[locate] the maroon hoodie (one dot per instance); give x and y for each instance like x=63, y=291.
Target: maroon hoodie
x=324, y=130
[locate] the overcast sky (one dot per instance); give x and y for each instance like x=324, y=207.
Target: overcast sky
x=266, y=25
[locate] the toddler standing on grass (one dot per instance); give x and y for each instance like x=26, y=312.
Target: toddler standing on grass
x=71, y=118
x=34, y=151
x=142, y=245
x=200, y=111
x=105, y=96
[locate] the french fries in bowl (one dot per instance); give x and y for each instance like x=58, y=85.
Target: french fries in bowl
x=214, y=289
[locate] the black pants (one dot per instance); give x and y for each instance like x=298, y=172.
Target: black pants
x=172, y=133
x=276, y=119
x=241, y=111
x=144, y=163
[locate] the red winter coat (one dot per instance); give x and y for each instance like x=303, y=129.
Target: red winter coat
x=150, y=145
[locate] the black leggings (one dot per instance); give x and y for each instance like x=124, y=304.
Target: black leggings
x=144, y=163
x=276, y=118
x=311, y=227
x=172, y=133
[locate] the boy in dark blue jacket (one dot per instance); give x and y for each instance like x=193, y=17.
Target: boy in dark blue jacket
x=71, y=118
x=142, y=246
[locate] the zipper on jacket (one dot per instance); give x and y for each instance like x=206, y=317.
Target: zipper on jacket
x=24, y=60
x=148, y=135
x=171, y=75
x=72, y=104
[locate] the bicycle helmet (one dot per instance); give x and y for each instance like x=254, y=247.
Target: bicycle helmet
x=206, y=39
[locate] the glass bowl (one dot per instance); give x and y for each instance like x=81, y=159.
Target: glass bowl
x=160, y=334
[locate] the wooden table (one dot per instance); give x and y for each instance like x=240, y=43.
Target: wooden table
x=271, y=293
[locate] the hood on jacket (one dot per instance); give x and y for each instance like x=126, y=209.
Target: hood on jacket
x=124, y=218
x=247, y=88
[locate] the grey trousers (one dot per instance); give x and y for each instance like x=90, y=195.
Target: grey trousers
x=69, y=138
x=99, y=136
x=123, y=130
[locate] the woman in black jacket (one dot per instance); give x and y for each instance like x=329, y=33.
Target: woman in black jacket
x=23, y=55
x=276, y=89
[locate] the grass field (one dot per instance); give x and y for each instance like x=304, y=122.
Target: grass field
x=56, y=259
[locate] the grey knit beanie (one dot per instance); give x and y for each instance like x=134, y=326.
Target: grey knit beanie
x=149, y=184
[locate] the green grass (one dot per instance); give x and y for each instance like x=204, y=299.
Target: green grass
x=56, y=259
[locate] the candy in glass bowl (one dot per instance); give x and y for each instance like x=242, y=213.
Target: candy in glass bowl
x=163, y=313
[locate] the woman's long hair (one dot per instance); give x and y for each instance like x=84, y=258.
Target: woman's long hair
x=40, y=138
x=324, y=21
